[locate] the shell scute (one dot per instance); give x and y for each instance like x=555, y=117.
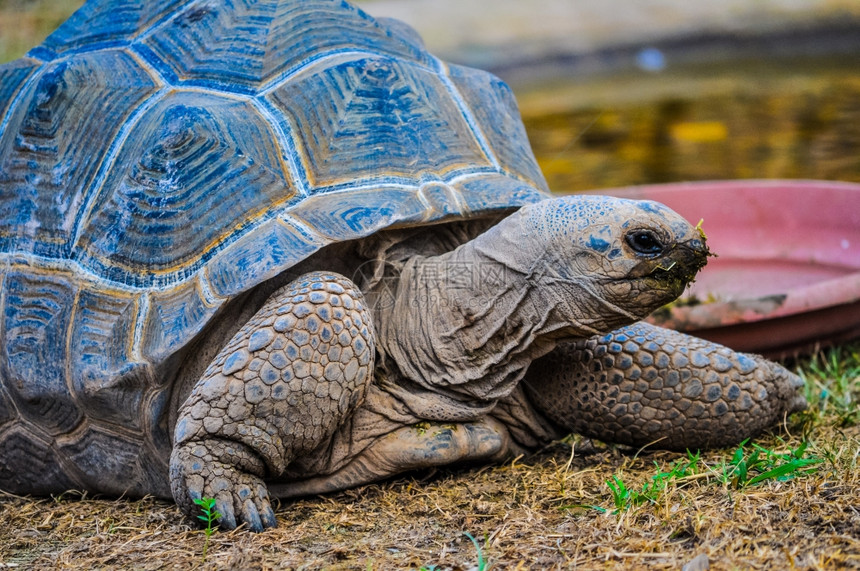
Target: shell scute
x=100, y=328
x=37, y=310
x=200, y=169
x=175, y=316
x=73, y=105
x=116, y=396
x=377, y=117
x=495, y=109
x=109, y=384
x=496, y=192
x=115, y=463
x=99, y=24
x=251, y=44
x=357, y=213
x=30, y=463
x=259, y=255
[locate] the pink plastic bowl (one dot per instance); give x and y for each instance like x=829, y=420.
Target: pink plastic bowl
x=787, y=276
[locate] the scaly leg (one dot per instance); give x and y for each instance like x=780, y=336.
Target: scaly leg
x=278, y=389
x=646, y=385
x=418, y=447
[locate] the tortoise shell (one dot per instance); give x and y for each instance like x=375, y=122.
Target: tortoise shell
x=158, y=159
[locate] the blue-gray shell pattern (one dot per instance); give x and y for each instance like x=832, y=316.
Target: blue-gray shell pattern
x=159, y=158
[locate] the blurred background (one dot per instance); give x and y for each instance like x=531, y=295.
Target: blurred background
x=621, y=92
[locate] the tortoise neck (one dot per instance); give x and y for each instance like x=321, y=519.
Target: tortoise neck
x=469, y=322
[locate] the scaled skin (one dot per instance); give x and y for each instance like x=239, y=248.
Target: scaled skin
x=571, y=268
x=689, y=394
x=288, y=378
x=645, y=385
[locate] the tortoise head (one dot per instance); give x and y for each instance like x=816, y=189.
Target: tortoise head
x=631, y=255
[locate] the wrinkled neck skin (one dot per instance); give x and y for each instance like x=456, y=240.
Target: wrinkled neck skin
x=465, y=325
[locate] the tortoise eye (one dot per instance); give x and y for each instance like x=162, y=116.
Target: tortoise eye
x=645, y=242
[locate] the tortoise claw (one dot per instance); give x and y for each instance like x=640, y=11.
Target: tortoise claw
x=197, y=471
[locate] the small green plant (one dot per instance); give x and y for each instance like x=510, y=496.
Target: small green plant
x=748, y=466
x=210, y=517
x=625, y=498
x=679, y=469
x=622, y=496
x=751, y=467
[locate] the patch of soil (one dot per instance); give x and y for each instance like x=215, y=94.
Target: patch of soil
x=552, y=510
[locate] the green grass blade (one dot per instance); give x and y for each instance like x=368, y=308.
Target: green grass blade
x=784, y=470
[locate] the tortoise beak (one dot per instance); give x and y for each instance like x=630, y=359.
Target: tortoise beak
x=692, y=256
x=673, y=271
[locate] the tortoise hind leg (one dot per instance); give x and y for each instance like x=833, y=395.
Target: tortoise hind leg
x=277, y=390
x=647, y=385
x=420, y=446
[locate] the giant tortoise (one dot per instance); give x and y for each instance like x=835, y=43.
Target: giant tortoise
x=277, y=248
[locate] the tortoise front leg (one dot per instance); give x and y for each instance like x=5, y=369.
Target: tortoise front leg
x=648, y=385
x=277, y=390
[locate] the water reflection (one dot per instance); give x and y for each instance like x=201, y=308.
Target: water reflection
x=742, y=120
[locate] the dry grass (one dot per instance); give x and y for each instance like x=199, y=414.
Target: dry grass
x=523, y=513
